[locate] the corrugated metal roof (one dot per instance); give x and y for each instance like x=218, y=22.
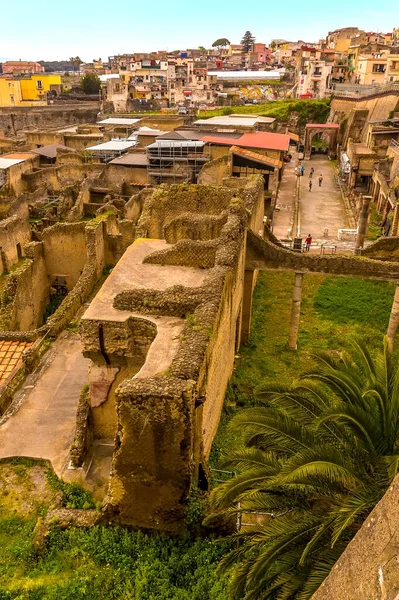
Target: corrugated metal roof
x=6, y=163
x=113, y=145
x=131, y=159
x=118, y=121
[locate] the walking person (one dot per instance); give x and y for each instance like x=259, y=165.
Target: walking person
x=310, y=185
x=308, y=242
x=320, y=179
x=311, y=173
x=302, y=170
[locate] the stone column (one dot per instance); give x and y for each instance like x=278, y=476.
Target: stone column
x=247, y=305
x=295, y=311
x=393, y=319
x=395, y=223
x=363, y=222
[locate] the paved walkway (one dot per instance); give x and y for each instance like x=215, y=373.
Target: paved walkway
x=323, y=206
x=285, y=201
x=43, y=424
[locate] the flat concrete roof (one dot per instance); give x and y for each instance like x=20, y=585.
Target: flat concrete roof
x=130, y=273
x=118, y=121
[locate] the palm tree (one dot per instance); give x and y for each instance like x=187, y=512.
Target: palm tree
x=315, y=461
x=76, y=61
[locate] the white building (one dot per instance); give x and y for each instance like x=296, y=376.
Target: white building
x=314, y=79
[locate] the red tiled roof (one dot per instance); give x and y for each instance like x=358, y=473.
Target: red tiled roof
x=261, y=139
x=265, y=140
x=323, y=125
x=266, y=160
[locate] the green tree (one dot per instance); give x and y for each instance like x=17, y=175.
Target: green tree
x=314, y=462
x=90, y=83
x=75, y=61
x=221, y=43
x=247, y=41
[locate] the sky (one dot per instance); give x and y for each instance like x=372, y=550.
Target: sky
x=58, y=29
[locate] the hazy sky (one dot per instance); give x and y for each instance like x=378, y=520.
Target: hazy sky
x=58, y=29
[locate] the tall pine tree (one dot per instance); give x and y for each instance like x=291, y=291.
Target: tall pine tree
x=247, y=41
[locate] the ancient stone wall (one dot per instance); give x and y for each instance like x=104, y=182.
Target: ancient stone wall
x=14, y=234
x=166, y=424
x=377, y=107
x=15, y=119
x=28, y=290
x=214, y=171
x=264, y=255
x=369, y=567
x=59, y=177
x=169, y=202
x=65, y=251
x=28, y=287
x=117, y=175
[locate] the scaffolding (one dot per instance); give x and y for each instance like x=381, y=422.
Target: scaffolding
x=172, y=161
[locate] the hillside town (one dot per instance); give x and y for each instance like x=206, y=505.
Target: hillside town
x=199, y=306
x=347, y=60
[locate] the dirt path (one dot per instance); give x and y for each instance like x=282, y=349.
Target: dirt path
x=322, y=207
x=41, y=422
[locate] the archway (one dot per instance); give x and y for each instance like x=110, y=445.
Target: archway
x=313, y=129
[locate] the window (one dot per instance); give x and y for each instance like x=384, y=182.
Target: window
x=12, y=98
x=39, y=84
x=378, y=68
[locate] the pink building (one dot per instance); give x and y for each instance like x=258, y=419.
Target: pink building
x=13, y=67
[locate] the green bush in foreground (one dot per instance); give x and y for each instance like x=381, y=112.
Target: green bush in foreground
x=107, y=564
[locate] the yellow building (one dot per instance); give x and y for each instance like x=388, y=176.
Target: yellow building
x=28, y=91
x=371, y=69
x=340, y=39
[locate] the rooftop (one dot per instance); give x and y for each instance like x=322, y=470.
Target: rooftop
x=50, y=151
x=131, y=159
x=235, y=120
x=261, y=139
x=255, y=156
x=19, y=155
x=114, y=145
x=118, y=121
x=6, y=163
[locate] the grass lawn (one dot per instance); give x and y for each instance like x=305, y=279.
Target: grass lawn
x=333, y=309
x=101, y=563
